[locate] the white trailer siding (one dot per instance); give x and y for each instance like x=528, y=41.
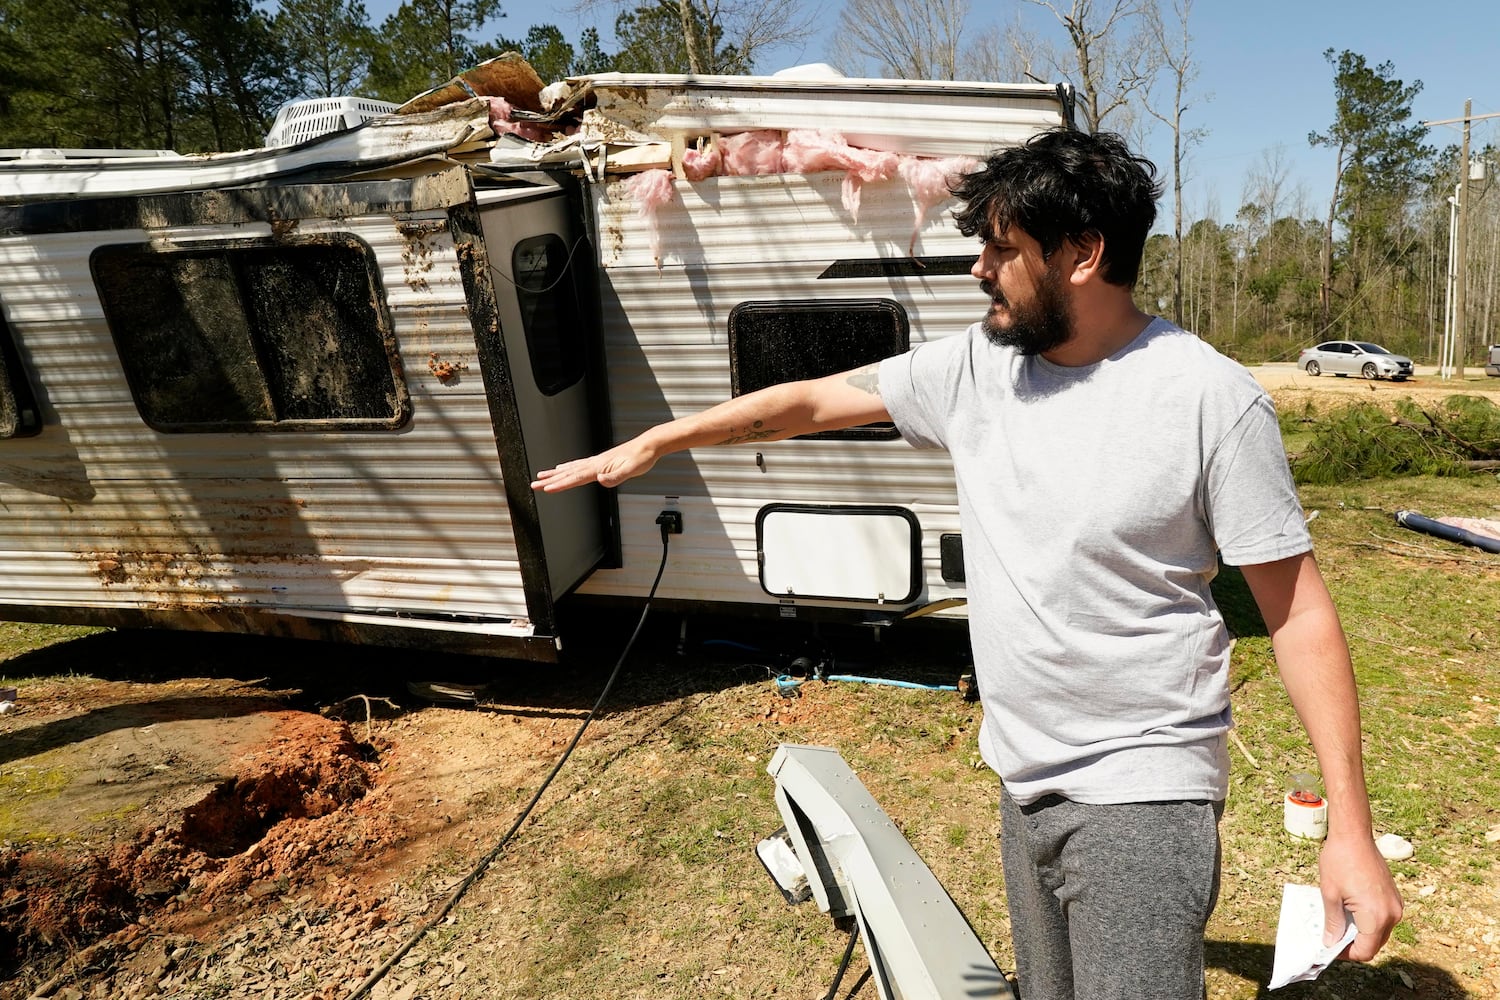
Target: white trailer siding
x=101, y=511
x=760, y=238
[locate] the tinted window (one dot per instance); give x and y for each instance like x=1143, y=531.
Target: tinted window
x=19, y=416
x=550, y=315
x=774, y=342
x=1372, y=348
x=253, y=336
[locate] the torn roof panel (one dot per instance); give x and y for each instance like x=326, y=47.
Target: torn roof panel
x=388, y=140
x=925, y=118
x=509, y=76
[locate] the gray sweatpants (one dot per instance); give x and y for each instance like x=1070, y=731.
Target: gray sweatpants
x=1109, y=902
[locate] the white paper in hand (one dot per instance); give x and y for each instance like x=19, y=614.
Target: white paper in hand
x=1300, y=954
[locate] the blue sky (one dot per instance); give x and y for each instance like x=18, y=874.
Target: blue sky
x=1262, y=83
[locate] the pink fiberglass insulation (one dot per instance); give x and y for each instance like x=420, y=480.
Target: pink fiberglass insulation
x=698, y=164
x=651, y=189
x=751, y=153
x=928, y=181
x=501, y=124
x=809, y=151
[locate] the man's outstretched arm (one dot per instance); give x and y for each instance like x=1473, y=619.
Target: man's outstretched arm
x=1313, y=657
x=847, y=399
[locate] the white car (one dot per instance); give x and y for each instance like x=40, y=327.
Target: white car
x=1354, y=357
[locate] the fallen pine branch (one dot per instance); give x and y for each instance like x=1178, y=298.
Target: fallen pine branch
x=1423, y=552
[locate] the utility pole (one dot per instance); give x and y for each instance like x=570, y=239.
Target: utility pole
x=1460, y=303
x=1466, y=173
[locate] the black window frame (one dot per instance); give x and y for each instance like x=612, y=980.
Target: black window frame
x=561, y=362
x=746, y=367
x=20, y=417
x=378, y=354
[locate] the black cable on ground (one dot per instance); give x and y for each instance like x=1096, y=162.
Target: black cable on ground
x=844, y=965
x=864, y=977
x=484, y=863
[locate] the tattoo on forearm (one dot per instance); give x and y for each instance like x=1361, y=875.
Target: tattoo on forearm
x=757, y=431
x=867, y=379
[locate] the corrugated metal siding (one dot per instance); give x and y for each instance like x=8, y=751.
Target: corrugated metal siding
x=770, y=219
x=99, y=510
x=732, y=240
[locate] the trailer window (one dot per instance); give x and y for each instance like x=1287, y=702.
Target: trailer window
x=19, y=416
x=286, y=336
x=775, y=342
x=550, y=314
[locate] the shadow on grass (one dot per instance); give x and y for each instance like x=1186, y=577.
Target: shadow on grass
x=1349, y=980
x=675, y=656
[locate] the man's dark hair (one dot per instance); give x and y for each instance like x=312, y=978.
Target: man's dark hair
x=1063, y=184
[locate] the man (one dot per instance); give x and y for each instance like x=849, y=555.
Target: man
x=1105, y=461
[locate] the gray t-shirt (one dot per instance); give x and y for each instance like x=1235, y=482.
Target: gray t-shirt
x=1094, y=504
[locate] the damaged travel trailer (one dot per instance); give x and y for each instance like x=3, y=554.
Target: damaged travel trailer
x=302, y=390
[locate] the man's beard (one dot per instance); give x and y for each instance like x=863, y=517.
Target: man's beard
x=1034, y=328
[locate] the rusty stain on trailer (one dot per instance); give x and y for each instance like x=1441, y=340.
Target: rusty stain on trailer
x=445, y=371
x=281, y=228
x=196, y=578
x=146, y=570
x=416, y=250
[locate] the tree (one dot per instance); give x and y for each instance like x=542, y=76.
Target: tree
x=591, y=57
x=652, y=40
x=1108, y=57
x=990, y=55
x=241, y=71
x=711, y=36
x=1380, y=161
x=904, y=39
x=545, y=49
x=425, y=43
x=190, y=75
x=1174, y=48
x=329, y=42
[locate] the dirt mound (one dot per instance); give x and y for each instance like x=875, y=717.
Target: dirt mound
x=287, y=800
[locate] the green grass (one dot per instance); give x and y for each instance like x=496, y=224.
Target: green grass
x=17, y=638
x=637, y=877
x=1423, y=620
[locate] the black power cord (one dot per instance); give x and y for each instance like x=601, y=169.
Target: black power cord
x=844, y=967
x=489, y=858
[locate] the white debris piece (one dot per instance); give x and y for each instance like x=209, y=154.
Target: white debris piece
x=554, y=94
x=1393, y=847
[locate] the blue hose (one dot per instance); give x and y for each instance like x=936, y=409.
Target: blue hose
x=1416, y=522
x=890, y=683
x=786, y=683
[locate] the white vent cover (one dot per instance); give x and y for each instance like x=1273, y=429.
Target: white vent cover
x=302, y=120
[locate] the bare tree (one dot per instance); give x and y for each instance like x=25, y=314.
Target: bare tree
x=1004, y=55
x=1173, y=43
x=724, y=36
x=1265, y=183
x=1109, y=57
x=904, y=39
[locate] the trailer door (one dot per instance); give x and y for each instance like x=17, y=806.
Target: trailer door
x=539, y=262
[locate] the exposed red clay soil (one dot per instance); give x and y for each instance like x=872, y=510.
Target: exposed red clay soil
x=298, y=794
